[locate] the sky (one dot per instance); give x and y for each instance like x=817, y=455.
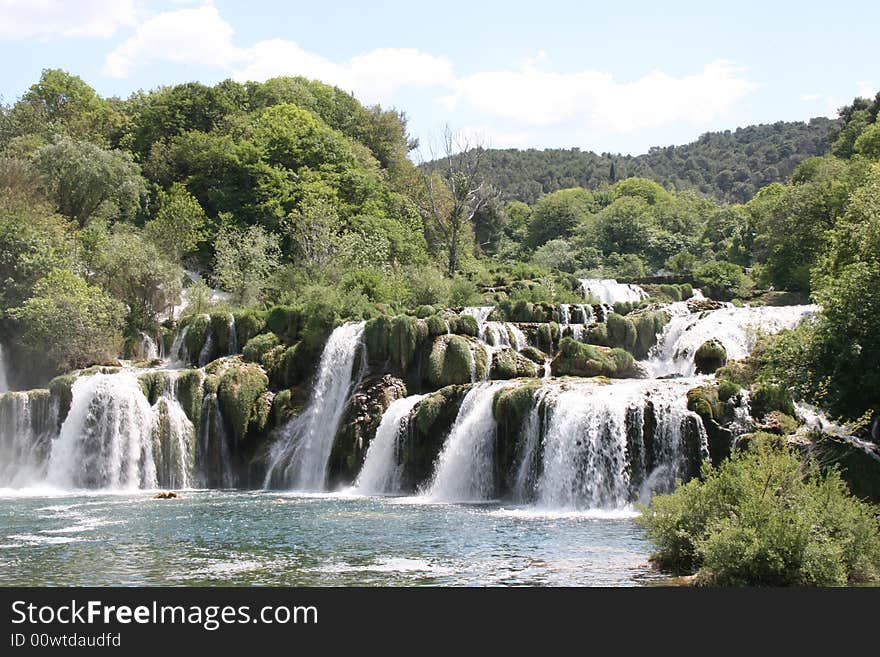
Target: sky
x=603, y=76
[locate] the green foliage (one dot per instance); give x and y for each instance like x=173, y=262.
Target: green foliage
x=68, y=324
x=763, y=518
x=244, y=260
x=721, y=279
x=257, y=346
x=767, y=397
x=179, y=226
x=557, y=214
x=463, y=292
x=239, y=390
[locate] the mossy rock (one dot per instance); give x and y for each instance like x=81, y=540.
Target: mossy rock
x=621, y=332
x=511, y=405
x=687, y=291
x=257, y=346
x=188, y=390
x=61, y=388
x=710, y=356
x=297, y=363
x=597, y=334
x=741, y=372
x=241, y=385
x=406, y=334
x=198, y=331
x=522, y=311
x=211, y=384
x=671, y=291
x=248, y=324
x=580, y=359
x=153, y=384
x=424, y=312
x=273, y=364
x=705, y=402
x=438, y=408
x=648, y=324
x=727, y=389
x=465, y=325
x=535, y=355
x=767, y=397
x=779, y=423
x=452, y=361
x=437, y=325
x=508, y=364
x=548, y=336
x=221, y=325
x=377, y=335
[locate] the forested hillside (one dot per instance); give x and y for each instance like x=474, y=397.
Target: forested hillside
x=728, y=166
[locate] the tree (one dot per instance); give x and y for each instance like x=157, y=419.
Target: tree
x=624, y=226
x=313, y=234
x=84, y=181
x=244, y=261
x=68, y=323
x=179, y=226
x=454, y=192
x=556, y=215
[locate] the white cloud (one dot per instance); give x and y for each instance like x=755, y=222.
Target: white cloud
x=192, y=36
x=25, y=19
x=542, y=98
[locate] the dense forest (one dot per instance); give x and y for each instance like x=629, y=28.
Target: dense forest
x=727, y=166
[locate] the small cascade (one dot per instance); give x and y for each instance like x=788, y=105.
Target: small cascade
x=496, y=334
x=179, y=351
x=4, y=382
x=465, y=467
x=601, y=444
x=736, y=328
x=207, y=350
x=528, y=459
x=28, y=423
x=608, y=291
x=174, y=448
x=380, y=474
x=298, y=458
x=106, y=440
x=147, y=349
x=233, y=336
x=214, y=457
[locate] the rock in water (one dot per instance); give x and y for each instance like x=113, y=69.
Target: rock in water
x=710, y=356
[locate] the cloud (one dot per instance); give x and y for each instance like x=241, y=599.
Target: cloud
x=25, y=19
x=541, y=98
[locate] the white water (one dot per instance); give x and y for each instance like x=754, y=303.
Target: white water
x=736, y=328
x=496, y=334
x=464, y=470
x=174, y=446
x=214, y=458
x=179, y=352
x=298, y=458
x=4, y=382
x=106, y=439
x=27, y=425
x=148, y=349
x=609, y=291
x=380, y=474
x=586, y=458
x=528, y=458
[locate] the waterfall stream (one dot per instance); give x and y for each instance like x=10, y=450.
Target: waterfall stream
x=298, y=458
x=4, y=382
x=608, y=291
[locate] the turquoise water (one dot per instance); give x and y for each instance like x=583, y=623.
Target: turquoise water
x=267, y=538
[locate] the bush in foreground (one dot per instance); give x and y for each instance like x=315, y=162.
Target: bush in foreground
x=765, y=518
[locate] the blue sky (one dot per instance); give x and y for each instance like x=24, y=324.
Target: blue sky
x=603, y=76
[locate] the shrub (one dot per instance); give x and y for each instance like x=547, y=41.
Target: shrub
x=764, y=518
x=767, y=397
x=257, y=346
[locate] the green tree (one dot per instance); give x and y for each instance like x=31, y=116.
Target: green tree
x=84, y=181
x=556, y=215
x=179, y=226
x=68, y=323
x=624, y=226
x=244, y=261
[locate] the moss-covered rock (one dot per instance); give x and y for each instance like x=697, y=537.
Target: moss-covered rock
x=197, y=334
x=548, y=336
x=727, y=389
x=406, y=334
x=61, y=389
x=535, y=355
x=579, y=359
x=221, y=326
x=621, y=332
x=257, y=346
x=248, y=324
x=286, y=322
x=710, y=356
x=714, y=413
x=437, y=325
x=767, y=397
x=453, y=361
x=671, y=291
x=424, y=312
x=742, y=372
x=508, y=364
x=649, y=325
x=377, y=334
x=465, y=325
x=779, y=423
x=597, y=334
x=511, y=405
x=239, y=389
x=153, y=383
x=188, y=391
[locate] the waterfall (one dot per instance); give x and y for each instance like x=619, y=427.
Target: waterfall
x=173, y=441
x=380, y=474
x=736, y=328
x=179, y=351
x=106, y=439
x=496, y=334
x=598, y=444
x=298, y=458
x=4, y=382
x=213, y=457
x=528, y=452
x=233, y=336
x=608, y=291
x=148, y=349
x=28, y=422
x=207, y=350
x=465, y=467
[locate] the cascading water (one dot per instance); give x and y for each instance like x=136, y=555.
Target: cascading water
x=28, y=422
x=298, y=458
x=173, y=440
x=148, y=349
x=528, y=452
x=214, y=459
x=736, y=328
x=4, y=382
x=380, y=474
x=597, y=444
x=464, y=470
x=233, y=336
x=496, y=334
x=609, y=291
x=106, y=439
x=179, y=352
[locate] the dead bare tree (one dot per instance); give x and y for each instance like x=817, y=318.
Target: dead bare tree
x=454, y=190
